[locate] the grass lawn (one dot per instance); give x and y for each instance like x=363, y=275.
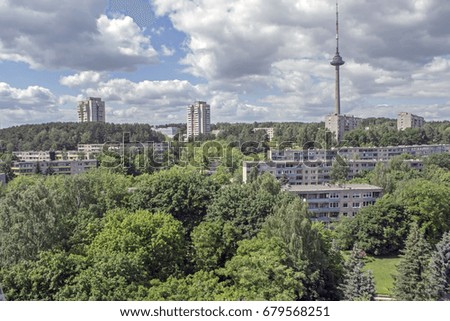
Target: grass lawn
x=383, y=269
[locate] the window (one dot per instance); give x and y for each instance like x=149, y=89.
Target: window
x=345, y=196
x=356, y=205
x=334, y=195
x=367, y=195
x=356, y=195
x=345, y=205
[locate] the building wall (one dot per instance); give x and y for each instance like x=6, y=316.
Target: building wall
x=408, y=120
x=57, y=167
x=91, y=110
x=313, y=173
x=358, y=153
x=198, y=119
x=341, y=124
x=331, y=202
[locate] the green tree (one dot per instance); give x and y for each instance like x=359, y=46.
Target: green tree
x=411, y=281
x=214, y=243
x=309, y=248
x=357, y=285
x=131, y=250
x=184, y=193
x=382, y=228
x=427, y=203
x=339, y=171
x=201, y=286
x=245, y=206
x=439, y=283
x=260, y=271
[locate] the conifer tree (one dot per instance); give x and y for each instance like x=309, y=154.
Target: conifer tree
x=411, y=280
x=439, y=283
x=357, y=285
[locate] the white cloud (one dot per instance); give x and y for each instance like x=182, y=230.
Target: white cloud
x=82, y=79
x=166, y=51
x=71, y=34
x=28, y=98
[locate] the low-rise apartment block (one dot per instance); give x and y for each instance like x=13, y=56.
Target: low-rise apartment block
x=330, y=202
x=357, y=153
x=53, y=167
x=45, y=156
x=313, y=172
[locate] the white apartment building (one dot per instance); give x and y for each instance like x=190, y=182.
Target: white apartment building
x=408, y=120
x=198, y=119
x=91, y=110
x=56, y=167
x=330, y=202
x=313, y=172
x=356, y=153
x=341, y=124
x=40, y=156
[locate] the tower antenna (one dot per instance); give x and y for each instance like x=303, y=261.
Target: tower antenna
x=337, y=62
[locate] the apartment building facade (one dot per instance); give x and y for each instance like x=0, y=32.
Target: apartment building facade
x=198, y=119
x=91, y=110
x=64, y=167
x=408, y=120
x=358, y=153
x=341, y=124
x=2, y=179
x=313, y=172
x=329, y=203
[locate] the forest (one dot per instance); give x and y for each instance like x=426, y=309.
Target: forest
x=181, y=234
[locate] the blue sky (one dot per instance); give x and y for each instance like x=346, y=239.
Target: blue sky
x=252, y=60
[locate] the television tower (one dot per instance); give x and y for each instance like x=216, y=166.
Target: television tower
x=337, y=62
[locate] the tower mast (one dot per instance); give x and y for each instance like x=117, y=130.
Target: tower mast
x=337, y=62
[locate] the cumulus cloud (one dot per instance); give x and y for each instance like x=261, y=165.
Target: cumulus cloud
x=280, y=51
x=82, y=79
x=71, y=34
x=28, y=98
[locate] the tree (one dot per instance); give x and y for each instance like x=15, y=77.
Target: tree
x=183, y=193
x=260, y=271
x=427, y=203
x=309, y=248
x=411, y=281
x=201, y=286
x=382, y=228
x=357, y=284
x=439, y=283
x=214, y=243
x=339, y=171
x=132, y=249
x=245, y=206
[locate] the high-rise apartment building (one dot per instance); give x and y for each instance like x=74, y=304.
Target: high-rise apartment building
x=198, y=119
x=408, y=120
x=341, y=124
x=91, y=110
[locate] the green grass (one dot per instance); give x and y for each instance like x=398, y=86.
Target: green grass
x=383, y=269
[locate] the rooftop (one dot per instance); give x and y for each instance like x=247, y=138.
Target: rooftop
x=331, y=187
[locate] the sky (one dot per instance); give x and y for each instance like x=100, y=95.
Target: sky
x=251, y=60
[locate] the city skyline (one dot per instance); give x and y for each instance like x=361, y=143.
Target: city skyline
x=250, y=61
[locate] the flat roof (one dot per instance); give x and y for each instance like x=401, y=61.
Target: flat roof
x=331, y=187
